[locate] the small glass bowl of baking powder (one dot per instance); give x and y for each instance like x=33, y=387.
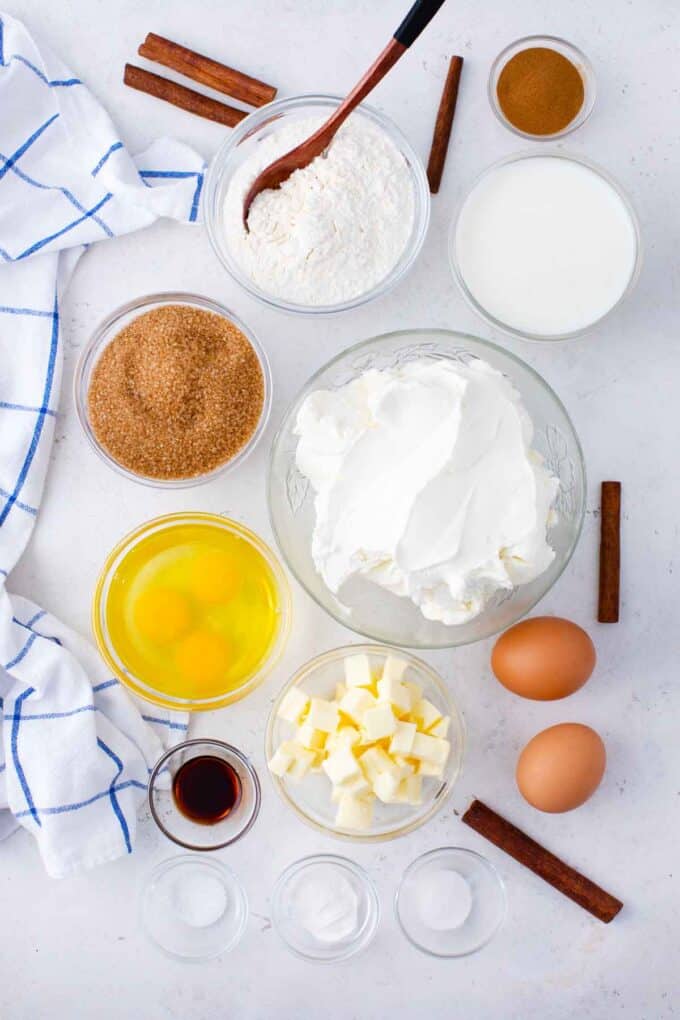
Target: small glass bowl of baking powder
x=111, y=328
x=240, y=145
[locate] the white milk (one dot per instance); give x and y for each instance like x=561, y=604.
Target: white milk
x=545, y=245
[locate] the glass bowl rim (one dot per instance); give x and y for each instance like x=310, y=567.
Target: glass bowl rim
x=161, y=868
x=230, y=750
x=525, y=42
x=294, y=868
x=516, y=157
x=439, y=796
x=92, y=351
x=481, y=859
x=280, y=107
x=127, y=542
x=426, y=333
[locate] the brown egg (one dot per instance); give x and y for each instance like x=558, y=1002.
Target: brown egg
x=544, y=658
x=561, y=767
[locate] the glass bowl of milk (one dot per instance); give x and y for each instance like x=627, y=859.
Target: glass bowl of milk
x=545, y=246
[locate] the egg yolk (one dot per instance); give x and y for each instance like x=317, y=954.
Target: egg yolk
x=213, y=577
x=162, y=615
x=202, y=657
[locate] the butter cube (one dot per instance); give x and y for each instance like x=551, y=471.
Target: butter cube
x=344, y=736
x=356, y=703
x=441, y=728
x=375, y=760
x=354, y=812
x=402, y=739
x=429, y=768
x=394, y=693
x=293, y=705
x=385, y=788
x=432, y=749
x=425, y=714
x=378, y=722
x=415, y=691
x=355, y=787
x=309, y=737
x=358, y=671
x=406, y=767
x=323, y=715
x=394, y=669
x=282, y=759
x=341, y=766
x=340, y=692
x=410, y=790
x=302, y=763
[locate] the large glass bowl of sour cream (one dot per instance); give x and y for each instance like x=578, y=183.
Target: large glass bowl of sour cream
x=443, y=523
x=545, y=245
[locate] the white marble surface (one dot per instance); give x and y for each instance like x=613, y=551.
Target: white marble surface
x=73, y=949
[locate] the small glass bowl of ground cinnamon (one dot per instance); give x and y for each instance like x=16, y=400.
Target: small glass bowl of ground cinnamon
x=173, y=389
x=542, y=87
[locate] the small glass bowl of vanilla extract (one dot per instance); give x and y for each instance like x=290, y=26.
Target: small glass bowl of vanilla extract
x=204, y=794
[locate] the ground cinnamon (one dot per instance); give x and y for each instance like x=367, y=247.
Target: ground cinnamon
x=540, y=91
x=176, y=393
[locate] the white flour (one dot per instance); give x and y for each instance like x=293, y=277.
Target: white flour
x=334, y=229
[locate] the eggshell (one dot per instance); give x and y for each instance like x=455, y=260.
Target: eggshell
x=544, y=658
x=561, y=767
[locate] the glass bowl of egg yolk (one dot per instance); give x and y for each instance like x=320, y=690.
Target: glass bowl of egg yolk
x=191, y=611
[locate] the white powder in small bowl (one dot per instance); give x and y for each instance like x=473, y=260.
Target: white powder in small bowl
x=333, y=230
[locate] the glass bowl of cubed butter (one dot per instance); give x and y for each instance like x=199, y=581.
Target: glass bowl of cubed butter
x=365, y=742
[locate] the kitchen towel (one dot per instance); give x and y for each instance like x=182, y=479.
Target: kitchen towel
x=75, y=749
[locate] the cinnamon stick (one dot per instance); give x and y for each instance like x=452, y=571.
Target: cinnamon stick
x=443, y=124
x=532, y=855
x=610, y=553
x=206, y=71
x=178, y=95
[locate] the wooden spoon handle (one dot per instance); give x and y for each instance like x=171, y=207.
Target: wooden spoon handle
x=413, y=24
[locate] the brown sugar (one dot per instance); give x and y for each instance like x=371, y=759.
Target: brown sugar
x=178, y=392
x=540, y=91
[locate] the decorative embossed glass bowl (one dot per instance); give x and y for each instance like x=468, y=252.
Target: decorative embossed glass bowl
x=241, y=142
x=362, y=605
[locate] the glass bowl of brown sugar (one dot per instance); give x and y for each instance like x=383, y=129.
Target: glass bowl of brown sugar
x=173, y=389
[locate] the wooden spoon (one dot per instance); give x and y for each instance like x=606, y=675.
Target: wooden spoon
x=280, y=170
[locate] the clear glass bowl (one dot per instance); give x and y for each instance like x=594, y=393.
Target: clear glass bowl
x=363, y=606
x=193, y=908
x=109, y=329
x=290, y=911
x=421, y=895
x=504, y=326
x=310, y=799
x=573, y=54
x=109, y=652
x=240, y=144
x=185, y=831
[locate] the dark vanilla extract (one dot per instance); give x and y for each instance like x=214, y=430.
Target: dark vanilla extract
x=206, y=789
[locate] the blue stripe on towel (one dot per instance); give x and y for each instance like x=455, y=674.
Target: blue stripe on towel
x=9, y=163
x=77, y=805
x=104, y=685
x=89, y=214
x=22, y=506
x=109, y=152
x=8, y=310
x=53, y=82
x=165, y=722
x=15, y=755
x=49, y=378
x=6, y=406
x=22, y=175
x=112, y=793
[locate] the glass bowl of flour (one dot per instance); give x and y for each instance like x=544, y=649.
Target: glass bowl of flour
x=427, y=488
x=336, y=234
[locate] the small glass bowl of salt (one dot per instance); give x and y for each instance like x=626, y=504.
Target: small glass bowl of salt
x=194, y=908
x=450, y=902
x=325, y=908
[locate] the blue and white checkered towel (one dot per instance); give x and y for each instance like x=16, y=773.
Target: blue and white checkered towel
x=75, y=749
